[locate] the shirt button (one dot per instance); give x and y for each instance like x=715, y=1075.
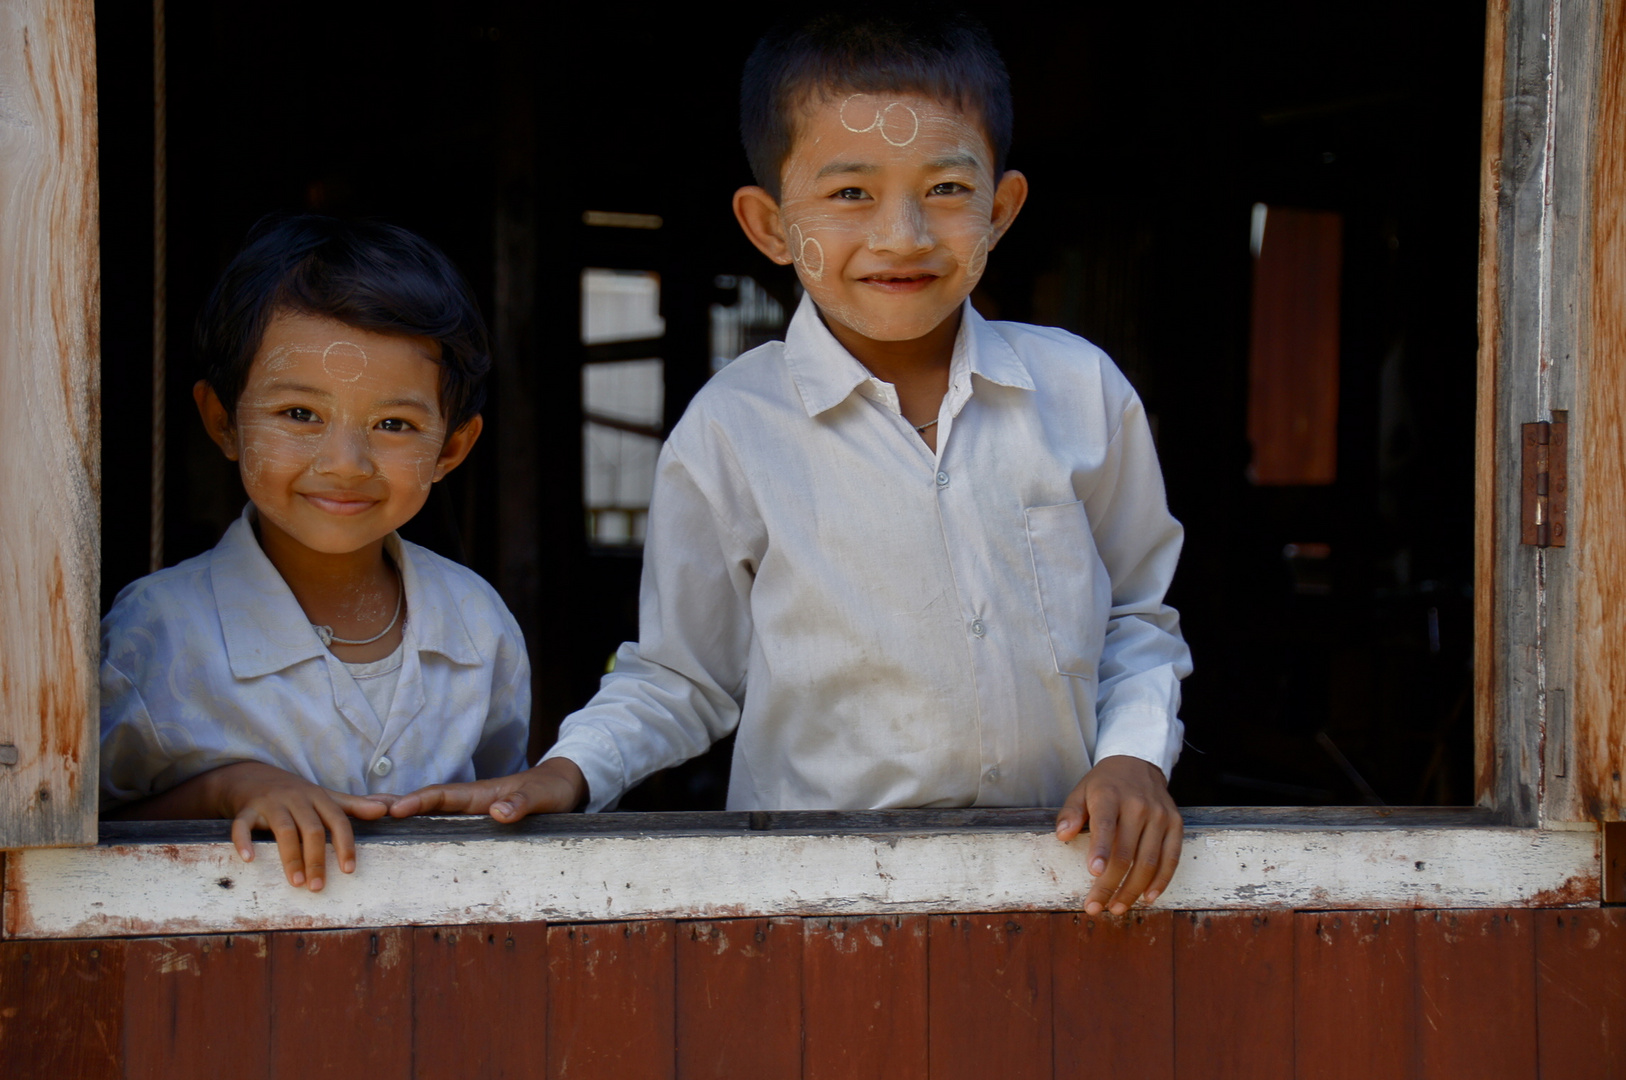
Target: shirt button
x=942, y=479
x=977, y=627
x=992, y=775
x=382, y=767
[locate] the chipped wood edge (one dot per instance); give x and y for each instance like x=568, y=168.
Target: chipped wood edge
x=194, y=888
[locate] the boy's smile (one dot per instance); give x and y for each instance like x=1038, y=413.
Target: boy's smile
x=338, y=433
x=888, y=209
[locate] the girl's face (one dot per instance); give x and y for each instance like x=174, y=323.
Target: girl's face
x=338, y=434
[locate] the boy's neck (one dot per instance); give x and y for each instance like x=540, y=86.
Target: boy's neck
x=903, y=363
x=321, y=581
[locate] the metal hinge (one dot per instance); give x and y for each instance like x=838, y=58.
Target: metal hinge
x=1545, y=482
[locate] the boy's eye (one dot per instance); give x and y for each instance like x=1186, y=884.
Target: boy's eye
x=395, y=423
x=299, y=413
x=949, y=187
x=851, y=193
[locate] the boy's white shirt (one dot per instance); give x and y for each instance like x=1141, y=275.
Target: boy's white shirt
x=213, y=661
x=973, y=627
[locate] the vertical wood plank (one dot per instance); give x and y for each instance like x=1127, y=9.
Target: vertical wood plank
x=610, y=1000
x=739, y=998
x=1475, y=983
x=1233, y=995
x=864, y=998
x=62, y=1009
x=1581, y=993
x=1114, y=994
x=989, y=1011
x=480, y=1001
x=1354, y=978
x=50, y=434
x=197, y=1006
x=341, y=1004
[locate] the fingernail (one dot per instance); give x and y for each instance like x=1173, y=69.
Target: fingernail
x=316, y=884
x=502, y=808
x=299, y=877
x=1152, y=895
x=1119, y=909
x=1092, y=908
x=246, y=853
x=1098, y=867
x=350, y=866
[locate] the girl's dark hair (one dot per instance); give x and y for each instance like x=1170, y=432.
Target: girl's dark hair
x=907, y=49
x=365, y=274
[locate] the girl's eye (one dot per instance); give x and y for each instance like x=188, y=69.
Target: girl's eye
x=394, y=424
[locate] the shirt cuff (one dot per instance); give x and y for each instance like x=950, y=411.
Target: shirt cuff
x=596, y=755
x=1149, y=734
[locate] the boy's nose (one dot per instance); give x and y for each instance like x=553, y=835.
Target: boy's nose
x=902, y=229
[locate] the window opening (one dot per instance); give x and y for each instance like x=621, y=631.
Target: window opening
x=623, y=403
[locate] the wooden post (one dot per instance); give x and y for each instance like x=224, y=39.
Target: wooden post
x=50, y=436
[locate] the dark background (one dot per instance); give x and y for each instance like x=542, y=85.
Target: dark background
x=1147, y=133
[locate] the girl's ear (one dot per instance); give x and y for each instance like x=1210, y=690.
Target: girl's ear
x=758, y=214
x=457, y=446
x=216, y=420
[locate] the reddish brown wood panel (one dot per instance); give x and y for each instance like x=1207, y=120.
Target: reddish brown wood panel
x=1355, y=981
x=1233, y=995
x=1476, y=994
x=864, y=998
x=739, y=998
x=1114, y=995
x=989, y=1005
x=610, y=1005
x=62, y=1009
x=341, y=1004
x=1293, y=348
x=1581, y=993
x=480, y=1002
x=197, y=1006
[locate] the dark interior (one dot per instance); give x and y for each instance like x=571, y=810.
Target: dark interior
x=1330, y=623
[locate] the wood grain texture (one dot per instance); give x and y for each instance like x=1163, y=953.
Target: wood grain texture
x=1113, y=980
x=341, y=1004
x=50, y=433
x=739, y=998
x=989, y=997
x=610, y=1001
x=1581, y=993
x=1486, y=504
x=197, y=1006
x=1476, y=986
x=480, y=1002
x=1354, y=980
x=864, y=998
x=1596, y=788
x=62, y=1009
x=1233, y=995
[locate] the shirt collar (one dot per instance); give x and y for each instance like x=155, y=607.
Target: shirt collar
x=266, y=630
x=825, y=373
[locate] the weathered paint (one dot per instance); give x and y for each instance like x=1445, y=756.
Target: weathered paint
x=123, y=890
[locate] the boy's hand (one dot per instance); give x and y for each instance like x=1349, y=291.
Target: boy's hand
x=556, y=786
x=1135, y=831
x=298, y=813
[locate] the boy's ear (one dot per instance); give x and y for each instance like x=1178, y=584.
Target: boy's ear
x=1009, y=196
x=457, y=446
x=758, y=214
x=216, y=420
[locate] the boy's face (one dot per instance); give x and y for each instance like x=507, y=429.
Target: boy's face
x=338, y=433
x=888, y=208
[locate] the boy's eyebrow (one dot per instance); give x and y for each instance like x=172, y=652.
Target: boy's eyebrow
x=957, y=161
x=836, y=167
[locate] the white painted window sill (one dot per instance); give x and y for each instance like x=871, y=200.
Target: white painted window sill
x=147, y=878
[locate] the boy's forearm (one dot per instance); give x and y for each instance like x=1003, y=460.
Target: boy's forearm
x=203, y=796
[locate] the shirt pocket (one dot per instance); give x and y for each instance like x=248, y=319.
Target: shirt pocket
x=1074, y=592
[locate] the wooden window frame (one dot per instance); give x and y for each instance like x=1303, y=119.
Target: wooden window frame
x=1547, y=652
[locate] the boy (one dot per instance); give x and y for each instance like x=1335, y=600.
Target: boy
x=917, y=558
x=313, y=661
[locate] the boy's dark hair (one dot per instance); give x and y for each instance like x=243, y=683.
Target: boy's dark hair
x=920, y=50
x=365, y=274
